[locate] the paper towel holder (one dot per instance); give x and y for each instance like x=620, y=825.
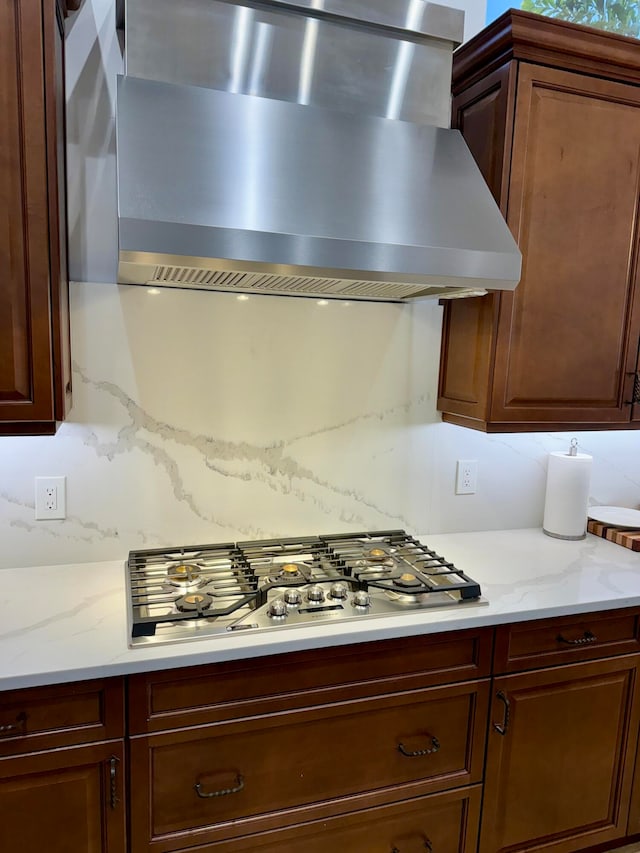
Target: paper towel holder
x=567, y=494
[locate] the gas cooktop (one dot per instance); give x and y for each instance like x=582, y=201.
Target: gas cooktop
x=207, y=590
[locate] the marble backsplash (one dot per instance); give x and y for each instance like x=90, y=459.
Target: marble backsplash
x=199, y=417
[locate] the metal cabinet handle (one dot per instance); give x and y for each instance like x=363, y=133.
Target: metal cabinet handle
x=586, y=638
x=501, y=728
x=635, y=391
x=427, y=846
x=113, y=791
x=435, y=746
x=12, y=728
x=222, y=793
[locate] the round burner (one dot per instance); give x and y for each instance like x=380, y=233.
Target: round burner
x=184, y=575
x=376, y=555
x=194, y=601
x=408, y=580
x=287, y=572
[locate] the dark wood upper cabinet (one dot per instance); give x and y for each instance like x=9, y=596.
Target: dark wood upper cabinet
x=552, y=116
x=35, y=370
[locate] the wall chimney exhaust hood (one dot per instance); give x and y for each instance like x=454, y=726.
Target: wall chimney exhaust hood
x=295, y=148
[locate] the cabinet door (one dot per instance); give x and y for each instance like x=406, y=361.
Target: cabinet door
x=484, y=115
x=559, y=757
x=26, y=391
x=568, y=336
x=64, y=801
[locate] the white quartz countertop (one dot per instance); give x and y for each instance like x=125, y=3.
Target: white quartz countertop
x=67, y=623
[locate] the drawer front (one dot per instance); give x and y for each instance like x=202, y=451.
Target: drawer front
x=444, y=823
x=207, y=694
x=67, y=714
x=246, y=772
x=567, y=639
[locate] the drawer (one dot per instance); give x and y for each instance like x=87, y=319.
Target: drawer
x=257, y=774
x=67, y=714
x=545, y=642
x=446, y=823
x=207, y=694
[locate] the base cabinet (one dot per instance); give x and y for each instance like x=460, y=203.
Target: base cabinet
x=62, y=768
x=560, y=756
x=64, y=801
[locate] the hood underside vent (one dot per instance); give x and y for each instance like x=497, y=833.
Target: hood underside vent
x=248, y=282
x=293, y=147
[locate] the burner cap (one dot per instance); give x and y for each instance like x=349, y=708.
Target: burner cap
x=408, y=579
x=376, y=554
x=184, y=574
x=290, y=568
x=194, y=601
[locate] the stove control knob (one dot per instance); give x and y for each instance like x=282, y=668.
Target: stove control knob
x=338, y=590
x=277, y=609
x=292, y=596
x=315, y=593
x=361, y=599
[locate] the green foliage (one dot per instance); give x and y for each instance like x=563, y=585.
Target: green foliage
x=617, y=16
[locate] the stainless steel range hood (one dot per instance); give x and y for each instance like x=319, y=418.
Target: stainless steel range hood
x=223, y=189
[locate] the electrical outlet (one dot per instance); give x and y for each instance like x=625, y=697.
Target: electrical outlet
x=51, y=497
x=467, y=477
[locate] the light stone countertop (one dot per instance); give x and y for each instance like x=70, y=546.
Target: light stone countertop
x=68, y=623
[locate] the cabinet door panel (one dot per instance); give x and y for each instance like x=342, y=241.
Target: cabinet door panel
x=62, y=801
x=482, y=113
x=25, y=329
x=559, y=777
x=565, y=342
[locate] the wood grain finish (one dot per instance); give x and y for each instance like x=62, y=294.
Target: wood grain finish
x=448, y=822
x=559, y=778
x=206, y=694
x=60, y=801
x=50, y=717
x=33, y=313
x=282, y=763
x=560, y=152
x=545, y=642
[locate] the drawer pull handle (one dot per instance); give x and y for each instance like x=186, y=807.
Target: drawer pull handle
x=222, y=793
x=501, y=728
x=435, y=746
x=13, y=728
x=586, y=638
x=427, y=846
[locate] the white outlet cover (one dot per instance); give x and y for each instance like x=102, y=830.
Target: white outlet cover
x=50, y=498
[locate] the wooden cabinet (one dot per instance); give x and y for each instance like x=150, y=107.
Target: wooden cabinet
x=62, y=769
x=35, y=373
x=558, y=774
x=551, y=112
x=308, y=743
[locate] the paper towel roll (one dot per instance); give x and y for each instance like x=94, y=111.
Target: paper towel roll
x=567, y=496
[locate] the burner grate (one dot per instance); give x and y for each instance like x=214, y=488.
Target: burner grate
x=215, y=588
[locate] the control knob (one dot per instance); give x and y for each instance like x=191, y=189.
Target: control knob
x=292, y=596
x=315, y=593
x=361, y=599
x=338, y=590
x=277, y=609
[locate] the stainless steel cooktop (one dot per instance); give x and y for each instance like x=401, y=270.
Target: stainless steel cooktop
x=201, y=591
